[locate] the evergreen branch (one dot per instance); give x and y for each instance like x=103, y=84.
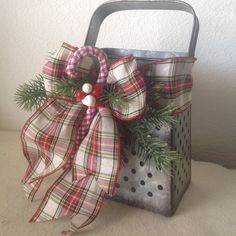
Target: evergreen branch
x=152, y=92
x=164, y=160
x=67, y=87
x=157, y=118
x=113, y=97
x=29, y=96
x=152, y=96
x=149, y=146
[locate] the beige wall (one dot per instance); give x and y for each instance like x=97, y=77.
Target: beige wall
x=31, y=28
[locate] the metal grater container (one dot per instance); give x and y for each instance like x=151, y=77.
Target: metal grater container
x=140, y=184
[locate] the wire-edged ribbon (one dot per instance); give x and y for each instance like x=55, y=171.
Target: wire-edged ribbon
x=81, y=141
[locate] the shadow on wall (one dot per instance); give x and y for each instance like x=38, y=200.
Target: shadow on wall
x=214, y=114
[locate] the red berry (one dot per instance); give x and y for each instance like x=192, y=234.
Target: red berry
x=97, y=90
x=99, y=104
x=80, y=95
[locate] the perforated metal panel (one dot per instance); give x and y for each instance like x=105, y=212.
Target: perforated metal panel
x=141, y=185
x=182, y=169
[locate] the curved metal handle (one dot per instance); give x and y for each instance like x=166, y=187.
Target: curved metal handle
x=120, y=5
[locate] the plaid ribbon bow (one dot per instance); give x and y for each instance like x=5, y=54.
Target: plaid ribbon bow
x=81, y=141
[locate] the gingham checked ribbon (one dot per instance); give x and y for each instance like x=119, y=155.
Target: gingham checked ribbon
x=83, y=142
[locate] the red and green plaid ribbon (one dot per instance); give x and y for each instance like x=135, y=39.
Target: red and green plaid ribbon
x=82, y=142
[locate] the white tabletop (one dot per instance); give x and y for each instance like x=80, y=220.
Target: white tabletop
x=208, y=208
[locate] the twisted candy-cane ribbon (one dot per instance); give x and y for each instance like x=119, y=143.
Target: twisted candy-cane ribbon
x=81, y=141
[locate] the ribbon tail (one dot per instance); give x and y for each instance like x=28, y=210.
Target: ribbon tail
x=67, y=198
x=98, y=160
x=90, y=207
x=99, y=152
x=32, y=188
x=49, y=140
x=79, y=193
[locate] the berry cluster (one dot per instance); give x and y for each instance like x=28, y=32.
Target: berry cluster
x=89, y=95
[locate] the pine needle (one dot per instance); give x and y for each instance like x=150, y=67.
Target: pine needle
x=29, y=96
x=67, y=87
x=113, y=97
x=147, y=143
x=157, y=118
x=153, y=93
x=149, y=146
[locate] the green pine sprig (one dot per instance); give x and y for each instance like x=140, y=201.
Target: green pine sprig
x=158, y=118
x=113, y=97
x=29, y=96
x=153, y=94
x=149, y=146
x=67, y=87
x=146, y=141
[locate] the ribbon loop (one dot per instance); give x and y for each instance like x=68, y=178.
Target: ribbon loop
x=128, y=80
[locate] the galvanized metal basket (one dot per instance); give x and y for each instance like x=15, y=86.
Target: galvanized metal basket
x=140, y=184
